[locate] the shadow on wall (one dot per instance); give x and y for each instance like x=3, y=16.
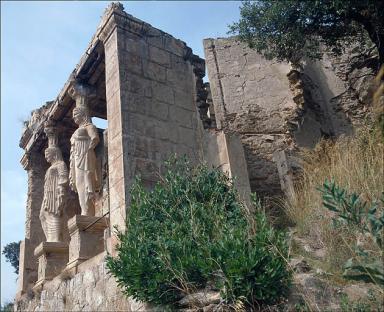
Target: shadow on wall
x=323, y=116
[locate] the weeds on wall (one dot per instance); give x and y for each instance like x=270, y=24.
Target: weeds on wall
x=191, y=232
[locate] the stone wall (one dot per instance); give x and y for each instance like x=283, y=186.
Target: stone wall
x=151, y=104
x=90, y=290
x=251, y=97
x=275, y=107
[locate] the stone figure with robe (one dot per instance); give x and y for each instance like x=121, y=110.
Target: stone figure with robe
x=54, y=199
x=83, y=164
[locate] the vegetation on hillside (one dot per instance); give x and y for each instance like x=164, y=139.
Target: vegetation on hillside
x=356, y=165
x=192, y=231
x=340, y=199
x=292, y=29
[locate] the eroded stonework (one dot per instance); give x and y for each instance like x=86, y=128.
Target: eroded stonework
x=276, y=107
x=248, y=121
x=149, y=87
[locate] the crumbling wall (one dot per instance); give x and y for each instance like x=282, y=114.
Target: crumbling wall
x=276, y=107
x=251, y=97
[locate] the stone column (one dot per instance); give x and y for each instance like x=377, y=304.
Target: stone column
x=116, y=179
x=36, y=166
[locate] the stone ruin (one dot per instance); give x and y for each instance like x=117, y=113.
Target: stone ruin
x=248, y=121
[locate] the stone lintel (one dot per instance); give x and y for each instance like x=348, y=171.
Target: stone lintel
x=51, y=247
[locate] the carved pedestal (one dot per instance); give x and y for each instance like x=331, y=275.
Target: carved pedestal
x=53, y=257
x=87, y=238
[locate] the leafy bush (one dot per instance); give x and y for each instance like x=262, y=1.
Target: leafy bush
x=350, y=210
x=191, y=230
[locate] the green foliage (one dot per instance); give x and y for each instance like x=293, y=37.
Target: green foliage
x=191, y=230
x=292, y=29
x=7, y=307
x=350, y=210
x=11, y=252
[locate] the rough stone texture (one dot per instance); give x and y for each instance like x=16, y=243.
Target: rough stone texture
x=251, y=97
x=151, y=104
x=53, y=257
x=147, y=85
x=87, y=238
x=91, y=290
x=226, y=152
x=274, y=107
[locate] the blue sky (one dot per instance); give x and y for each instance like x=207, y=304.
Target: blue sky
x=41, y=42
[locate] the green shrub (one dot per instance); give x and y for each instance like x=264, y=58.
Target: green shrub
x=192, y=229
x=368, y=219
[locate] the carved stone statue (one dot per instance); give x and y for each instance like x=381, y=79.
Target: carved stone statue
x=83, y=166
x=55, y=185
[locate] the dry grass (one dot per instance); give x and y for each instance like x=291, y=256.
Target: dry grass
x=354, y=163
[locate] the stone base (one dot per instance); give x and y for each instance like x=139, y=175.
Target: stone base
x=53, y=257
x=87, y=238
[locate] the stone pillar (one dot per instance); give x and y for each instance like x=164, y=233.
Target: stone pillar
x=226, y=152
x=53, y=257
x=285, y=174
x=116, y=180
x=87, y=238
x=151, y=103
x=36, y=166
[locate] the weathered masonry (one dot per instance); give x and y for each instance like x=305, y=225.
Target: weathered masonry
x=275, y=108
x=149, y=87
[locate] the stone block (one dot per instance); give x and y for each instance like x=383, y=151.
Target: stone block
x=184, y=98
x=115, y=170
x=154, y=71
x=181, y=116
x=179, y=79
x=159, y=56
x=135, y=84
x=159, y=110
x=155, y=37
x=115, y=147
x=179, y=64
x=135, y=45
x=174, y=45
x=114, y=128
x=87, y=238
x=165, y=131
x=162, y=92
x=130, y=62
x=187, y=136
x=53, y=257
x=135, y=103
